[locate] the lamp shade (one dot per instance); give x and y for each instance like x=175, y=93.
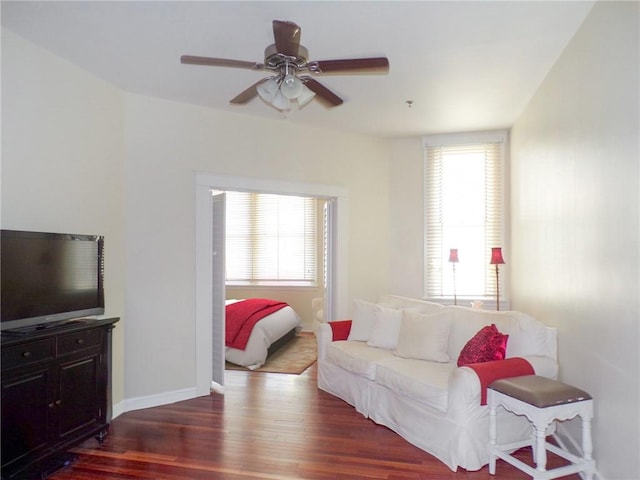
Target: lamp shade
x=496, y=256
x=268, y=89
x=453, y=255
x=306, y=95
x=281, y=102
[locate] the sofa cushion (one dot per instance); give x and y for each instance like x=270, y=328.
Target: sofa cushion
x=363, y=319
x=356, y=357
x=527, y=336
x=422, y=381
x=386, y=328
x=487, y=345
x=424, y=336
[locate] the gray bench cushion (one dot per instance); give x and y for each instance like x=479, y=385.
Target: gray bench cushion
x=539, y=391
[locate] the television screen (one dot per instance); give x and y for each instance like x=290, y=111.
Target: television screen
x=49, y=277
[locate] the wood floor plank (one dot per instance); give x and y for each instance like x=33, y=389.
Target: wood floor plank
x=266, y=426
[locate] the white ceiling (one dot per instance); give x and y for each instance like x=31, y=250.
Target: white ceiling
x=465, y=65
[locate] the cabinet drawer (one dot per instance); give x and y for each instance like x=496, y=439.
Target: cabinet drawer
x=27, y=353
x=77, y=341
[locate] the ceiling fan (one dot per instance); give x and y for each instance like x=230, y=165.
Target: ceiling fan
x=287, y=59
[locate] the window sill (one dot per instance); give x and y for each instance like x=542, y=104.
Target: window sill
x=297, y=285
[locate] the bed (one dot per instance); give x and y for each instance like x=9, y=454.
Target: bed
x=277, y=324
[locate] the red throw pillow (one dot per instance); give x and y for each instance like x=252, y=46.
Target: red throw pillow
x=485, y=346
x=340, y=329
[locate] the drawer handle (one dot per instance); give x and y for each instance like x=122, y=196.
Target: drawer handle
x=51, y=405
x=58, y=402
x=80, y=341
x=26, y=354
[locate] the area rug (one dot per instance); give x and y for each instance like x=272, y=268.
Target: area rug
x=294, y=357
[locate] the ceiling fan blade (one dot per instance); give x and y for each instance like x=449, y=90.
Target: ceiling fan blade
x=355, y=65
x=322, y=92
x=287, y=37
x=220, y=62
x=247, y=95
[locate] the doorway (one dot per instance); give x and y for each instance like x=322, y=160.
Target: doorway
x=210, y=294
x=275, y=249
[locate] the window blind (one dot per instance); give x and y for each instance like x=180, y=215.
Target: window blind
x=270, y=238
x=463, y=200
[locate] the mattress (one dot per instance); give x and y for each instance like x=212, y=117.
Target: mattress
x=265, y=332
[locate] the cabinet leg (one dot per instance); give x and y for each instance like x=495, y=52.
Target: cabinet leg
x=100, y=436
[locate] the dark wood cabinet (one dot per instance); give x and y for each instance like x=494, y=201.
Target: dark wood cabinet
x=55, y=391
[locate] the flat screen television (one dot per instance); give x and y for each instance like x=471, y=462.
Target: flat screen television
x=48, y=278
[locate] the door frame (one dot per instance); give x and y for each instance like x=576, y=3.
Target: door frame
x=207, y=303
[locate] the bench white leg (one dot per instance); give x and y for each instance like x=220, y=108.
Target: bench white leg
x=587, y=445
x=534, y=444
x=541, y=449
x=492, y=439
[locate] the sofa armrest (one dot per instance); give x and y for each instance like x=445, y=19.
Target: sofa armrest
x=464, y=395
x=338, y=330
x=324, y=336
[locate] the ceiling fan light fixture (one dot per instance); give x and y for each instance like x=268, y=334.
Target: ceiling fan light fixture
x=291, y=86
x=281, y=102
x=306, y=95
x=268, y=89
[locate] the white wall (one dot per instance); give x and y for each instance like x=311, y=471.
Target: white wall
x=62, y=161
x=406, y=218
x=166, y=143
x=575, y=220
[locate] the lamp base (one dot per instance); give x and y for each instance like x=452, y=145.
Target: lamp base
x=497, y=289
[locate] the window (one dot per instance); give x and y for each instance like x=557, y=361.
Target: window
x=464, y=209
x=270, y=239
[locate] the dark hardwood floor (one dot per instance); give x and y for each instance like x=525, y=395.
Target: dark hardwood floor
x=265, y=426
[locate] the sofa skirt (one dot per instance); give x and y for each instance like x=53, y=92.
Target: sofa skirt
x=353, y=389
x=455, y=444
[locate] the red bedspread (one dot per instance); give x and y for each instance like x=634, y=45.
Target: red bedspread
x=241, y=317
x=489, y=372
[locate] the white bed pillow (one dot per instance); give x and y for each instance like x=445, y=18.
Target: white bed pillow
x=424, y=336
x=362, y=320
x=386, y=328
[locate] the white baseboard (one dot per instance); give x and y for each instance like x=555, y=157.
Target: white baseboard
x=164, y=398
x=117, y=409
x=216, y=387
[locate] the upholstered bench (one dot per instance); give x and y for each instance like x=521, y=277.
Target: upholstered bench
x=542, y=401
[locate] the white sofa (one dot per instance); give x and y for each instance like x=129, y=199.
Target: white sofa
x=434, y=405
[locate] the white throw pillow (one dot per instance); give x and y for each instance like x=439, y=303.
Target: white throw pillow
x=424, y=336
x=386, y=328
x=362, y=320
